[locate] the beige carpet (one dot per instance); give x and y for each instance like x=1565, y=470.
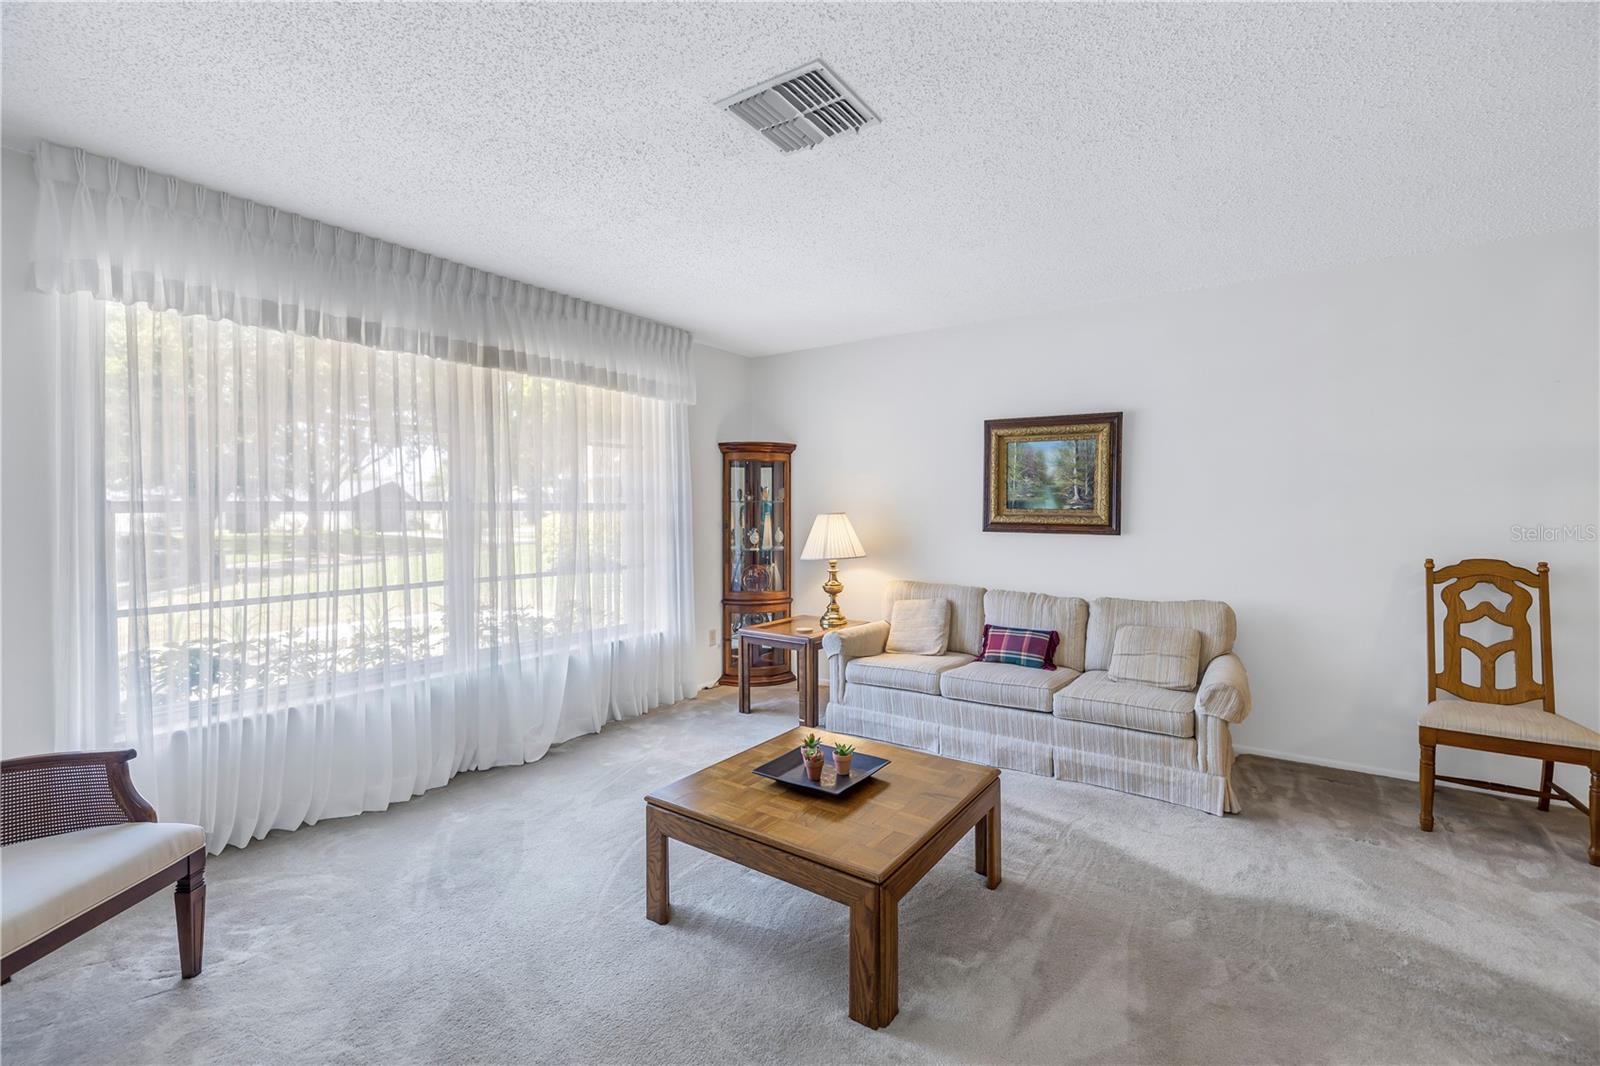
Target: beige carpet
x=501, y=919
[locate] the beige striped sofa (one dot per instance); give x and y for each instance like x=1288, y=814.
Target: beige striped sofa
x=1074, y=722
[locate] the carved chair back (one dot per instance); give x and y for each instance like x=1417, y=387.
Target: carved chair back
x=1449, y=585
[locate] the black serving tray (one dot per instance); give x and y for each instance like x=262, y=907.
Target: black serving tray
x=790, y=769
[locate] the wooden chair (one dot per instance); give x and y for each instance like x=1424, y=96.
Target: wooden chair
x=80, y=845
x=1486, y=717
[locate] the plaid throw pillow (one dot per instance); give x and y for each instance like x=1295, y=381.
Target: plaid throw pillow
x=1020, y=647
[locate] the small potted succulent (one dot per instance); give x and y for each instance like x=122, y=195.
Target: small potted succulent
x=842, y=753
x=811, y=752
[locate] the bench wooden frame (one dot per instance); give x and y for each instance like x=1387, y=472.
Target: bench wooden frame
x=37, y=806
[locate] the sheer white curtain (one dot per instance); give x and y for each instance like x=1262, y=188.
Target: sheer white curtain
x=310, y=576
x=127, y=234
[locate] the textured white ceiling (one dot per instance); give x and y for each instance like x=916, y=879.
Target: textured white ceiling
x=1030, y=157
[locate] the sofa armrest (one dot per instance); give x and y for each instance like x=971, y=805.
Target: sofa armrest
x=44, y=795
x=856, y=642
x=1224, y=690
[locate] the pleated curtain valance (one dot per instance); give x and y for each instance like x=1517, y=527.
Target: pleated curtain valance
x=124, y=233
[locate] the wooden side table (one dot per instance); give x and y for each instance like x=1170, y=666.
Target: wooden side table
x=802, y=635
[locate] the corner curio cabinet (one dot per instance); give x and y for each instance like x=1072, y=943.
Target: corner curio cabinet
x=756, y=545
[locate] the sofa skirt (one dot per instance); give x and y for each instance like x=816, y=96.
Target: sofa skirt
x=1189, y=771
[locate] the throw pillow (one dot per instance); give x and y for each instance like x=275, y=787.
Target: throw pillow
x=919, y=627
x=1035, y=648
x=1164, y=656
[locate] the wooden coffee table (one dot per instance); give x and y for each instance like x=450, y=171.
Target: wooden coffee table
x=865, y=849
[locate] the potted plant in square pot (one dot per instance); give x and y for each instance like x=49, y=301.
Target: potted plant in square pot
x=842, y=753
x=811, y=752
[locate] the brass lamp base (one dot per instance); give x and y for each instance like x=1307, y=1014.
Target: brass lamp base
x=833, y=618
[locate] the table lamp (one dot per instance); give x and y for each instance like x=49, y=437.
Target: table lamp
x=832, y=539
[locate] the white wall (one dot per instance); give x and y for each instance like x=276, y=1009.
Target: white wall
x=26, y=429
x=1295, y=447
x=721, y=413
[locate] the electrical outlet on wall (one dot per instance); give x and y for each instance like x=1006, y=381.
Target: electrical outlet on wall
x=711, y=638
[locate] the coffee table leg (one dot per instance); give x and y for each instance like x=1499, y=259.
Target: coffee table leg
x=657, y=892
x=875, y=959
x=986, y=845
x=744, y=676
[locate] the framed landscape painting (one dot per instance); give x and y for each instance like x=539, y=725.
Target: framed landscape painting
x=1053, y=475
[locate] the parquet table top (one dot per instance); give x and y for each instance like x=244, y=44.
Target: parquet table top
x=868, y=832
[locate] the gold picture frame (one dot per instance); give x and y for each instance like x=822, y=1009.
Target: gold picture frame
x=1053, y=475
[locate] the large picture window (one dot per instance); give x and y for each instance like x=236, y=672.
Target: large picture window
x=338, y=519
x=290, y=514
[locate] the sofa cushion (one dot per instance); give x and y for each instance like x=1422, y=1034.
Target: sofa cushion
x=46, y=883
x=1212, y=618
x=1166, y=657
x=919, y=627
x=1067, y=615
x=966, y=610
x=1026, y=688
x=912, y=673
x=1515, y=722
x=1094, y=697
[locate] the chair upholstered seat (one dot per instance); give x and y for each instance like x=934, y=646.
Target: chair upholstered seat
x=909, y=673
x=1517, y=722
x=1026, y=688
x=45, y=883
x=1094, y=697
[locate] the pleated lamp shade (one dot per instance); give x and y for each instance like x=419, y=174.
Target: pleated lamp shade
x=832, y=538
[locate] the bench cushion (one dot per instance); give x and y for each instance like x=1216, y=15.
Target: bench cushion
x=1094, y=697
x=46, y=883
x=911, y=673
x=1005, y=685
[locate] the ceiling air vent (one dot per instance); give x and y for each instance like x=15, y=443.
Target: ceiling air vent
x=802, y=108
